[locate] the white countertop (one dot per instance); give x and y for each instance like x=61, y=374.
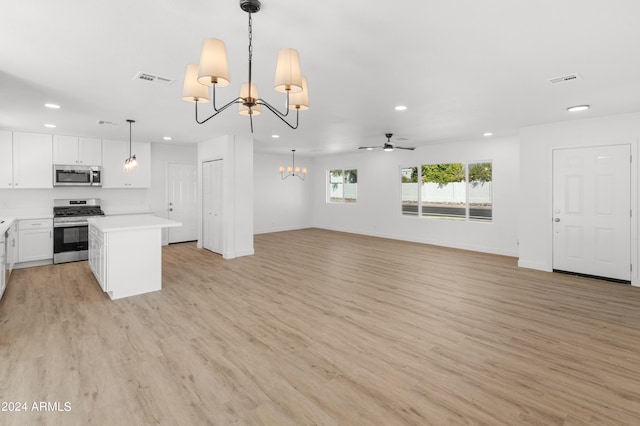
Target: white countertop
x=6, y=223
x=27, y=213
x=131, y=222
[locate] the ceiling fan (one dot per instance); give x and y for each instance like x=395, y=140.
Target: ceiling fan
x=388, y=146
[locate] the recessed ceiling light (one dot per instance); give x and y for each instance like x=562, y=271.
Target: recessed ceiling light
x=275, y=136
x=487, y=134
x=52, y=106
x=401, y=108
x=51, y=126
x=167, y=138
x=578, y=108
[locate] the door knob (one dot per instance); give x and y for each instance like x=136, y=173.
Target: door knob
x=557, y=219
x=170, y=210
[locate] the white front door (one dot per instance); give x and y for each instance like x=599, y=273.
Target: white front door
x=182, y=200
x=592, y=211
x=212, y=206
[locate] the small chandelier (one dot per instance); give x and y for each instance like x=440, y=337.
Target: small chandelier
x=213, y=71
x=131, y=163
x=293, y=170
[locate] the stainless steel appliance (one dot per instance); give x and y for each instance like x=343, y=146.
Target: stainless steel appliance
x=67, y=175
x=71, y=230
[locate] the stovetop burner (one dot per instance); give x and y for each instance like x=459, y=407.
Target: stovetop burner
x=75, y=211
x=77, y=208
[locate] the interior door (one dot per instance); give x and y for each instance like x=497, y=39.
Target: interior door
x=592, y=211
x=182, y=201
x=212, y=206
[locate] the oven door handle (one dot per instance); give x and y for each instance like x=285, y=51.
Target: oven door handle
x=70, y=224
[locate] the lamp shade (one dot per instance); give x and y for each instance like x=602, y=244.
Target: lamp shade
x=300, y=100
x=244, y=94
x=192, y=90
x=288, y=74
x=214, y=66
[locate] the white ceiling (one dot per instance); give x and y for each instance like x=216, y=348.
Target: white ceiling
x=461, y=67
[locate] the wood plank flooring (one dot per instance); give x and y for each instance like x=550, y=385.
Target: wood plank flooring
x=326, y=328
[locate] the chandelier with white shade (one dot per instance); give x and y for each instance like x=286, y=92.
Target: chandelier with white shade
x=293, y=170
x=213, y=71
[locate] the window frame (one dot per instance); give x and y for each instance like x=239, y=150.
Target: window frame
x=467, y=217
x=342, y=200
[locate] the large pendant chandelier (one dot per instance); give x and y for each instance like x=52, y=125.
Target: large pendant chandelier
x=213, y=71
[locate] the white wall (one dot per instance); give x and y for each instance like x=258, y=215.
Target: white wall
x=536, y=149
x=377, y=211
x=21, y=202
x=237, y=192
x=280, y=205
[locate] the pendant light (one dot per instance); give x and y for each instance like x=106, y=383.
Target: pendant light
x=131, y=163
x=293, y=170
x=213, y=71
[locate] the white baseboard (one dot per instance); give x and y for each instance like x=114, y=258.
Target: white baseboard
x=534, y=265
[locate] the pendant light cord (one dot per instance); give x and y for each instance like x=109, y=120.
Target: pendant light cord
x=250, y=50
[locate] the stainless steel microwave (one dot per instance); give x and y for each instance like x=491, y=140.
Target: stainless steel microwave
x=67, y=175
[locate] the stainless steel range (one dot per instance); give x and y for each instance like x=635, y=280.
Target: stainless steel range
x=71, y=230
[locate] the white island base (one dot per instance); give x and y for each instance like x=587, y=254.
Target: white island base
x=125, y=253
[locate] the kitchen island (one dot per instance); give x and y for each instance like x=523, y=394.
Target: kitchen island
x=125, y=253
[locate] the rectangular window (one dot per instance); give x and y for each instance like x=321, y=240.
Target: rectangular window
x=343, y=186
x=480, y=191
x=444, y=191
x=457, y=191
x=409, y=178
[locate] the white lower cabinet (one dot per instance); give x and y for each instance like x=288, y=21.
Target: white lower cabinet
x=12, y=245
x=98, y=256
x=3, y=283
x=35, y=238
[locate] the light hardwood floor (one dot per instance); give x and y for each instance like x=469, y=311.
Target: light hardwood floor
x=326, y=328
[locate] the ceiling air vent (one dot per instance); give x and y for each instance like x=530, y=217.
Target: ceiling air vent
x=564, y=79
x=161, y=81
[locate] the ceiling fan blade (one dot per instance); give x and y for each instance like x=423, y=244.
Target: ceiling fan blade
x=405, y=147
x=369, y=147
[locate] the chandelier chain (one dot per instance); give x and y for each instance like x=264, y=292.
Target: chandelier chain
x=250, y=38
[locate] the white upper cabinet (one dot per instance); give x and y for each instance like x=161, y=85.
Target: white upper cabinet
x=113, y=155
x=74, y=150
x=6, y=159
x=90, y=151
x=32, y=160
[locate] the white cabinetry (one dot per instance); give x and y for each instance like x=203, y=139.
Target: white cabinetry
x=77, y=150
x=12, y=245
x=6, y=159
x=35, y=240
x=113, y=155
x=3, y=283
x=125, y=253
x=32, y=160
x=97, y=256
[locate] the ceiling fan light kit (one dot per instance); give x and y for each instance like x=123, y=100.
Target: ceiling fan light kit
x=213, y=71
x=388, y=145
